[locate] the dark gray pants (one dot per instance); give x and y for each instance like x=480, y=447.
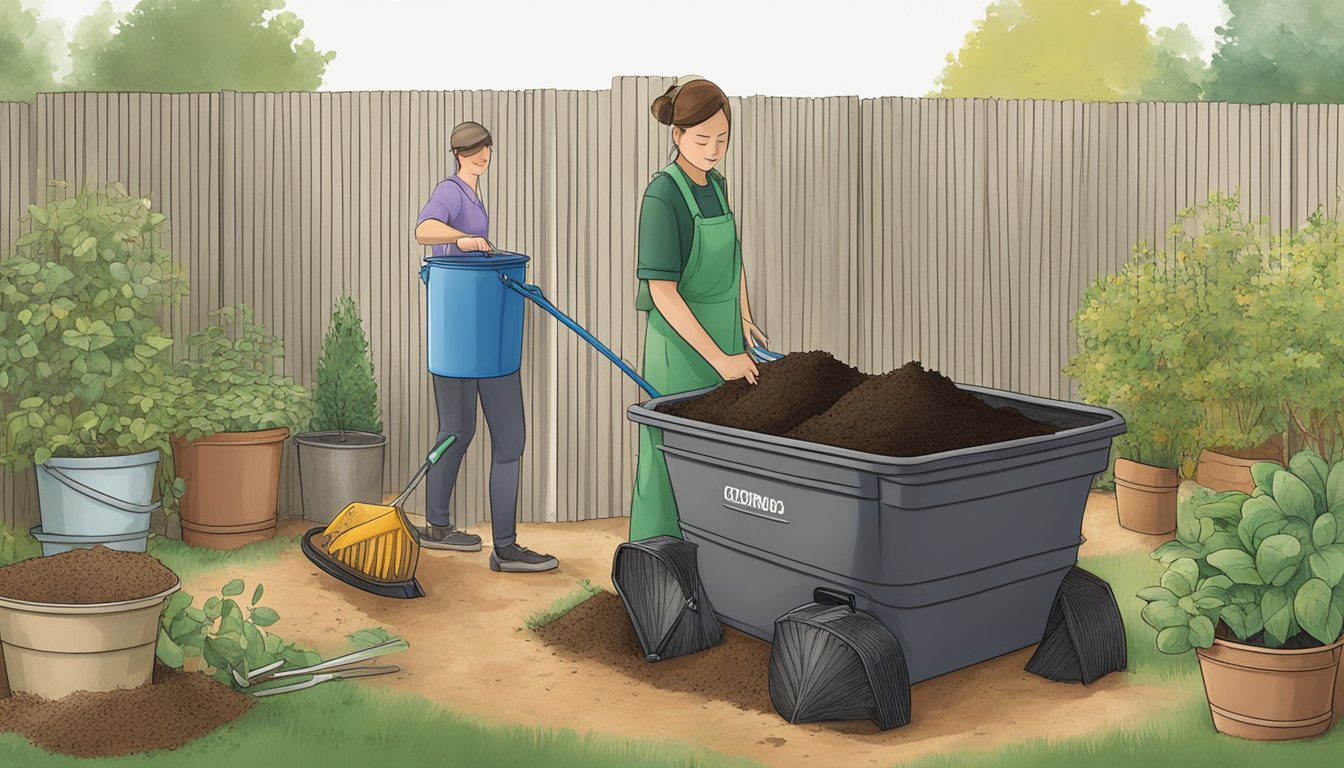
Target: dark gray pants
x=502, y=401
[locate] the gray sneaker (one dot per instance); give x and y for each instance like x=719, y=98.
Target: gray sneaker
x=447, y=537
x=516, y=559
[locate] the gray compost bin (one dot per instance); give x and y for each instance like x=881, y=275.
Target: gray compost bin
x=959, y=554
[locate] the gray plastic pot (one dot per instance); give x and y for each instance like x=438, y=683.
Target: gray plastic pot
x=97, y=496
x=335, y=472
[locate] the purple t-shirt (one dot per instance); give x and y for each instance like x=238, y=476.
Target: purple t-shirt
x=453, y=203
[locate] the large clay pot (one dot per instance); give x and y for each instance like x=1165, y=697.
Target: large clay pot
x=1270, y=693
x=1145, y=496
x=233, y=486
x=53, y=650
x=1222, y=469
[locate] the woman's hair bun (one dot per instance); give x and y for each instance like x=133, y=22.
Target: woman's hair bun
x=662, y=106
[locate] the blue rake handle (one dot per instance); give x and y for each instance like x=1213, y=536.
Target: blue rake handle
x=534, y=293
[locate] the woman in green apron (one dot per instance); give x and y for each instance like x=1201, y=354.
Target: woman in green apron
x=692, y=283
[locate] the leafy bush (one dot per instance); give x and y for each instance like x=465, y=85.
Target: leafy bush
x=1296, y=333
x=222, y=637
x=1270, y=563
x=346, y=392
x=17, y=545
x=228, y=383
x=83, y=360
x=1170, y=340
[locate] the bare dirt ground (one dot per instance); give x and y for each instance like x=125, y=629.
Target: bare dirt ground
x=471, y=650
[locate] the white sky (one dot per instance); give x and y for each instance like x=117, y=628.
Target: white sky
x=865, y=48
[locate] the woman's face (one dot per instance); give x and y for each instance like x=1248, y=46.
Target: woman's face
x=477, y=161
x=703, y=145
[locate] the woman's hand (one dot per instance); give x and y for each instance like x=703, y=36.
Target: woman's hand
x=474, y=244
x=736, y=367
x=754, y=335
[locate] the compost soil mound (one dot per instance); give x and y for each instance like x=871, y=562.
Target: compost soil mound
x=909, y=411
x=176, y=708
x=788, y=392
x=85, y=577
x=598, y=629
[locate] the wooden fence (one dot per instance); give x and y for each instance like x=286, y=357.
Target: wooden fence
x=957, y=232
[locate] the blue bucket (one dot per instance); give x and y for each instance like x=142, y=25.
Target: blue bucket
x=475, y=321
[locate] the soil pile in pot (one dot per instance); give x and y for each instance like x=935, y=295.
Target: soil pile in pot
x=86, y=577
x=178, y=707
x=914, y=412
x=598, y=629
x=788, y=392
x=812, y=396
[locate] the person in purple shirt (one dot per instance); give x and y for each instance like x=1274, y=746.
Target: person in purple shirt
x=454, y=221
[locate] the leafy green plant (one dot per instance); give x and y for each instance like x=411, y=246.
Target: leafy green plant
x=229, y=383
x=1298, y=311
x=17, y=545
x=83, y=360
x=222, y=637
x=1170, y=340
x=346, y=392
x=1267, y=566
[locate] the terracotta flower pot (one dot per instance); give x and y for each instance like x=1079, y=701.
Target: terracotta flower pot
x=233, y=484
x=1221, y=469
x=1145, y=496
x=1270, y=693
x=53, y=650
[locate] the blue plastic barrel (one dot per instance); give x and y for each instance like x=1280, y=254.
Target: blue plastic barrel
x=475, y=322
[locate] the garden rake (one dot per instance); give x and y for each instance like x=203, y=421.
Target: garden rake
x=374, y=547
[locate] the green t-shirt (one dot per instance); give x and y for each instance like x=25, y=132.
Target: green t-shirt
x=666, y=227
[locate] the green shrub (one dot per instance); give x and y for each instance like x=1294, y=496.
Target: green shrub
x=1272, y=561
x=346, y=392
x=83, y=360
x=229, y=383
x=222, y=637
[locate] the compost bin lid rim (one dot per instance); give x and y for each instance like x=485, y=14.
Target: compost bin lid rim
x=477, y=262
x=1110, y=421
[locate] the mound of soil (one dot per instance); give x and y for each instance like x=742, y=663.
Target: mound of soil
x=788, y=392
x=735, y=671
x=176, y=708
x=914, y=412
x=812, y=396
x=85, y=577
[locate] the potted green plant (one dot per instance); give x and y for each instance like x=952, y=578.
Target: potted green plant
x=230, y=415
x=85, y=361
x=341, y=456
x=1299, y=307
x=1128, y=359
x=1253, y=584
x=1221, y=260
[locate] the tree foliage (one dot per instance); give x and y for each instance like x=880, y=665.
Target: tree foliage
x=1091, y=50
x=27, y=45
x=170, y=46
x=1286, y=51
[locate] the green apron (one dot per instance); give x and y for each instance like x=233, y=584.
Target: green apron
x=710, y=284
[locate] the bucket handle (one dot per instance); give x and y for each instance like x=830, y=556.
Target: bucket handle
x=97, y=495
x=534, y=293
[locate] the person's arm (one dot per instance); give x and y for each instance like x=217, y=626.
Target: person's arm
x=750, y=331
x=673, y=308
x=435, y=232
x=433, y=228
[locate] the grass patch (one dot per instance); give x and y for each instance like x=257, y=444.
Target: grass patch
x=1128, y=573
x=564, y=604
x=344, y=724
x=1179, y=738
x=187, y=561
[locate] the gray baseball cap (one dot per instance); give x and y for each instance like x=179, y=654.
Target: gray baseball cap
x=467, y=135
